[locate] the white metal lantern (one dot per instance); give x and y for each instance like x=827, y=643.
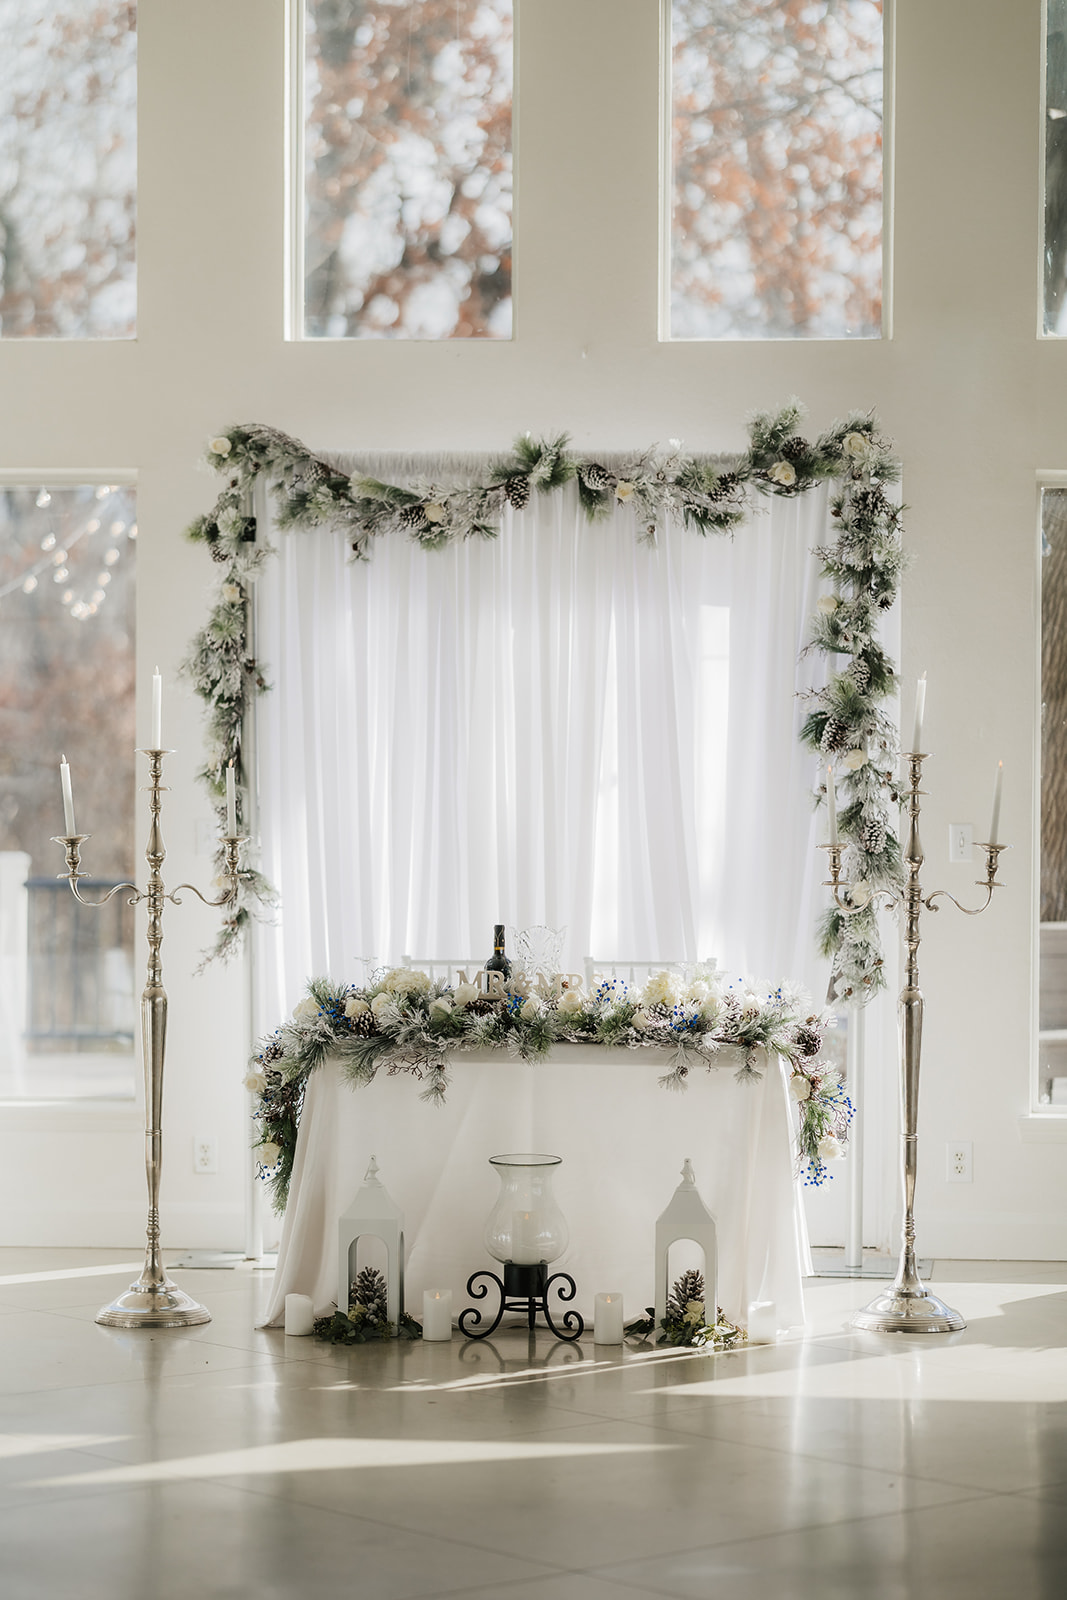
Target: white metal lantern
x=687, y=1217
x=373, y=1212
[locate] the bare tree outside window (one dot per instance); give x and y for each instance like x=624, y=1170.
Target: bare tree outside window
x=66, y=688
x=407, y=124
x=68, y=169
x=776, y=169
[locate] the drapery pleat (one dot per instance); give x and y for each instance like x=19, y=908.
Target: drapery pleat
x=563, y=726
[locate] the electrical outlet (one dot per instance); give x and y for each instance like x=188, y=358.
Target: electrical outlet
x=961, y=841
x=205, y=1152
x=959, y=1158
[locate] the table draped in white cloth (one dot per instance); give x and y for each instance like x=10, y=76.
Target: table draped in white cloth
x=623, y=1139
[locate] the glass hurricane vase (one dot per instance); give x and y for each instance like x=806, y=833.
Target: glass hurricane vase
x=526, y=1225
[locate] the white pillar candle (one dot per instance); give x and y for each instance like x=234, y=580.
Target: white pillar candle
x=231, y=804
x=762, y=1322
x=437, y=1314
x=607, y=1319
x=157, y=711
x=920, y=712
x=68, y=797
x=299, y=1314
x=994, y=826
x=831, y=802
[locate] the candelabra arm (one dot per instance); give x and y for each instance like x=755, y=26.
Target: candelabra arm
x=72, y=843
x=231, y=845
x=850, y=908
x=988, y=883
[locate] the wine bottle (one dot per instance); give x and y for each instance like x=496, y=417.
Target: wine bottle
x=498, y=961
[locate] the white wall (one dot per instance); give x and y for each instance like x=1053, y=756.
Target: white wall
x=976, y=403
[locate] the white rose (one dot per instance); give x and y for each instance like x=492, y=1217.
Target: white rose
x=440, y=1007
x=255, y=1082
x=830, y=1149
x=305, y=1009
x=381, y=1003
x=624, y=490
x=660, y=990
x=267, y=1154
x=854, y=760
x=570, y=1003
x=231, y=593
x=220, y=446
x=859, y=893
x=465, y=993
x=750, y=1006
x=640, y=1020
x=828, y=604
x=855, y=444
x=783, y=472
x=434, y=512
x=697, y=991
x=406, y=980
x=799, y=1087
x=710, y=1008
x=355, y=1007
x=529, y=1010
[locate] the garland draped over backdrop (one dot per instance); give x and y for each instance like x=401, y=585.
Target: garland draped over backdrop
x=846, y=724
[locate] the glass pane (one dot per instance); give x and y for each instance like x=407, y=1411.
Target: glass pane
x=1052, y=1021
x=66, y=687
x=776, y=229
x=408, y=169
x=1056, y=169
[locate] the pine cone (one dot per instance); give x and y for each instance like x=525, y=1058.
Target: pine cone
x=517, y=490
x=724, y=486
x=869, y=502
x=808, y=1041
x=794, y=448
x=482, y=1007
x=219, y=552
x=315, y=473
x=834, y=736
x=365, y=1024
x=412, y=517
x=873, y=836
x=690, y=1286
x=860, y=672
x=595, y=477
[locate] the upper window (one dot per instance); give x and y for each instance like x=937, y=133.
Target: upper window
x=1055, y=309
x=776, y=169
x=68, y=169
x=407, y=169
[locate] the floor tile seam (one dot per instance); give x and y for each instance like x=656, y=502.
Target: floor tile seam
x=855, y=1466
x=552, y=1569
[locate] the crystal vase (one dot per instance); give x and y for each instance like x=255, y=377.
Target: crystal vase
x=526, y=1226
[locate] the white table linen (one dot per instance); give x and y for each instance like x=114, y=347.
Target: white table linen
x=622, y=1138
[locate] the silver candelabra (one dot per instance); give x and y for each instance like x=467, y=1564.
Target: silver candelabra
x=908, y=1306
x=153, y=1301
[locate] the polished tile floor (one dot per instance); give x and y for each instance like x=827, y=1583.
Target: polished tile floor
x=226, y=1462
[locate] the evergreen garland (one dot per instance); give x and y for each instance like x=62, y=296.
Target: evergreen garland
x=403, y=1022
x=864, y=563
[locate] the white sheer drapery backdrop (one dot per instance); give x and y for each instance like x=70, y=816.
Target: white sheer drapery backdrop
x=563, y=726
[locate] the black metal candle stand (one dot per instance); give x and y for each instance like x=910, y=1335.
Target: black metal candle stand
x=524, y=1287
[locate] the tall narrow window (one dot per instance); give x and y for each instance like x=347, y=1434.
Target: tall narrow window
x=1056, y=168
x=776, y=180
x=68, y=169
x=66, y=688
x=1052, y=1021
x=407, y=170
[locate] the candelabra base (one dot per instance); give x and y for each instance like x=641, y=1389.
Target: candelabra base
x=153, y=1305
x=907, y=1310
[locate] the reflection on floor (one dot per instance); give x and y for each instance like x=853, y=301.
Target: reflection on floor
x=228, y=1462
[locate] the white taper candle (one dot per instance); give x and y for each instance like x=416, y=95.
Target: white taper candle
x=831, y=802
x=920, y=712
x=68, y=798
x=157, y=711
x=231, y=804
x=994, y=826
